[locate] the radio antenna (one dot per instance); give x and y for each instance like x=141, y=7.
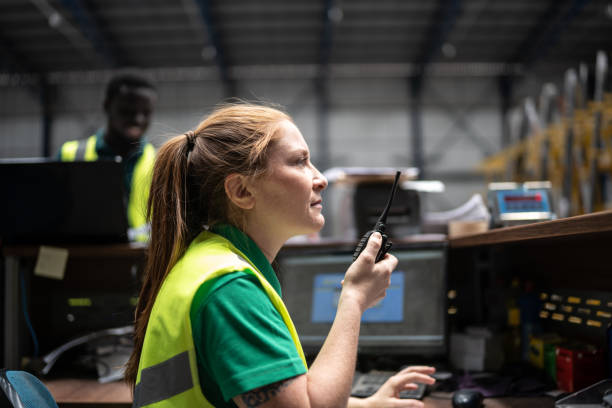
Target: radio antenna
x=383, y=217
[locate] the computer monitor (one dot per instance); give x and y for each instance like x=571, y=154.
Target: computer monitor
x=410, y=320
x=46, y=202
x=369, y=200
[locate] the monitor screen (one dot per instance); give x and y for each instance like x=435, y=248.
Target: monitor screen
x=50, y=202
x=326, y=292
x=411, y=319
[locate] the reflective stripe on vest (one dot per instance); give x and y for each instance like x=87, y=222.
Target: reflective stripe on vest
x=163, y=381
x=168, y=350
x=80, y=150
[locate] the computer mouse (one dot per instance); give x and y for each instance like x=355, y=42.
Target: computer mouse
x=467, y=399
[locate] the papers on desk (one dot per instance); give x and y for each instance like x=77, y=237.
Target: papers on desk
x=474, y=210
x=51, y=262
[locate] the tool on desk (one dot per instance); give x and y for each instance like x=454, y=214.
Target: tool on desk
x=97, y=338
x=379, y=227
x=594, y=396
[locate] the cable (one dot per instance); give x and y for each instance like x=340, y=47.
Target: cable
x=24, y=307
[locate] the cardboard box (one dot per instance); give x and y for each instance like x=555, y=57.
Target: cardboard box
x=476, y=352
x=462, y=228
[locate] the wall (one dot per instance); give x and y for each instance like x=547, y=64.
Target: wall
x=369, y=121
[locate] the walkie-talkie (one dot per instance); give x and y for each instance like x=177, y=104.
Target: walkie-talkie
x=379, y=227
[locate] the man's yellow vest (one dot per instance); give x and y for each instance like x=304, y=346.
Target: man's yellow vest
x=168, y=371
x=141, y=179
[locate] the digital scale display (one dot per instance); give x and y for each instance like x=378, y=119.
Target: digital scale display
x=513, y=201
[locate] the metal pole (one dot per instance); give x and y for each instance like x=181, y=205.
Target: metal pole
x=11, y=313
x=505, y=97
x=416, y=113
x=323, y=122
x=47, y=116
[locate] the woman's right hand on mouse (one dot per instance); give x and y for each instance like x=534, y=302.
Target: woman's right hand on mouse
x=367, y=280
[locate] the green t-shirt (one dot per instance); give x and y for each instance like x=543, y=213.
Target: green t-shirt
x=241, y=340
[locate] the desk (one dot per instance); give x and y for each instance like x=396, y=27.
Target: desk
x=80, y=256
x=73, y=393
x=549, y=252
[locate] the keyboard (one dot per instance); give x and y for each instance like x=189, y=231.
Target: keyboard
x=366, y=384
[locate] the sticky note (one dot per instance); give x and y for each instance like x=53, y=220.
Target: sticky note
x=51, y=262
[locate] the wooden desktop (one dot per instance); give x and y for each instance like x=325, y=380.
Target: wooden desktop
x=73, y=393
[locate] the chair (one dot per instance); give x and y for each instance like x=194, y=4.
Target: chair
x=21, y=389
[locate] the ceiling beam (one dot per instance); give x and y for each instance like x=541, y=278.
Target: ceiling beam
x=89, y=27
x=280, y=71
x=443, y=21
x=56, y=20
x=545, y=33
x=215, y=42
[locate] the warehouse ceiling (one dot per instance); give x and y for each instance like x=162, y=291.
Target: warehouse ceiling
x=233, y=39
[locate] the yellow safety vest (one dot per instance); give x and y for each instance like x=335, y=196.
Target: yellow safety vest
x=141, y=179
x=168, y=370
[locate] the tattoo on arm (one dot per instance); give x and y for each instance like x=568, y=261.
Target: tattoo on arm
x=259, y=396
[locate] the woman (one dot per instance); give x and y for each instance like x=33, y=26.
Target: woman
x=211, y=328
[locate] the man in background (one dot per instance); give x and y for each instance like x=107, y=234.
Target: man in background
x=128, y=104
